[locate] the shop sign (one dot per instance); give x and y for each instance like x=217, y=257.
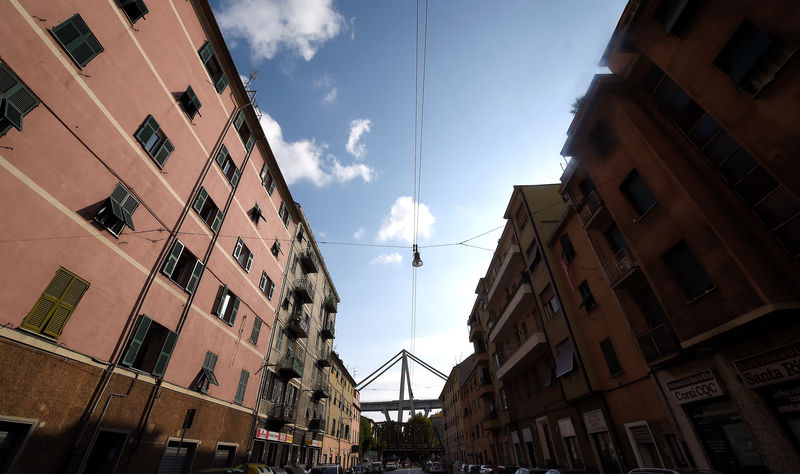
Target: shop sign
x=313, y=442
x=773, y=366
x=594, y=421
x=261, y=433
x=700, y=386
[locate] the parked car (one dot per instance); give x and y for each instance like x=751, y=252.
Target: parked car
x=327, y=469
x=391, y=465
x=658, y=470
x=377, y=466
x=247, y=468
x=437, y=467
x=486, y=469
x=532, y=470
x=566, y=470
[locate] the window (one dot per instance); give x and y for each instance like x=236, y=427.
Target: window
x=567, y=251
x=117, y=210
x=602, y=139
x=266, y=285
x=676, y=15
x=212, y=66
x=283, y=212
x=256, y=330
x=229, y=169
x=244, y=131
x=224, y=455
x=154, y=141
x=267, y=180
x=208, y=211
x=227, y=305
x=615, y=239
x=243, y=255
x=16, y=101
x=256, y=214
x=242, y=387
x=549, y=301
x=150, y=348
x=287, y=300
x=565, y=363
x=206, y=375
x=587, y=299
x=134, y=9
x=752, y=57
x=276, y=248
x=53, y=309
x=687, y=270
x=78, y=40
x=14, y=435
x=182, y=267
x=279, y=340
x=190, y=102
x=294, y=264
x=614, y=367
x=637, y=192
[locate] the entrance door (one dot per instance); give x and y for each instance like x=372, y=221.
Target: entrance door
x=177, y=458
x=105, y=452
x=644, y=446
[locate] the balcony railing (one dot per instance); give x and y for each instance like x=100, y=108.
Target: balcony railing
x=330, y=304
x=621, y=265
x=328, y=329
x=304, y=290
x=324, y=359
x=282, y=413
x=590, y=208
x=657, y=343
x=308, y=260
x=297, y=325
x=321, y=389
x=291, y=366
x=316, y=424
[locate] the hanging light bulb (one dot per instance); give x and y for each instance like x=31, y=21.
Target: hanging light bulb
x=417, y=262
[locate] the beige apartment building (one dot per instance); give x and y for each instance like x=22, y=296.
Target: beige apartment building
x=342, y=420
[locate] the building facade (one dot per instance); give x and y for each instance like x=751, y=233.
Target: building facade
x=135, y=338
x=337, y=444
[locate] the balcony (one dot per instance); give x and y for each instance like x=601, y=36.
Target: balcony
x=621, y=266
x=297, y=325
x=330, y=304
x=510, y=265
x=281, y=414
x=308, y=260
x=490, y=419
x=290, y=367
x=485, y=388
x=590, y=209
x=520, y=302
x=304, y=290
x=321, y=389
x=476, y=331
x=328, y=330
x=316, y=424
x=516, y=360
x=657, y=343
x=324, y=359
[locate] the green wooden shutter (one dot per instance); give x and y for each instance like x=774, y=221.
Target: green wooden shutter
x=208, y=367
x=262, y=285
x=237, y=173
x=249, y=262
x=235, y=310
x=190, y=102
x=218, y=308
x=237, y=122
x=18, y=101
x=222, y=154
x=250, y=142
x=240, y=390
x=134, y=9
x=206, y=52
x=66, y=305
x=136, y=343
x=76, y=37
x=256, y=331
x=163, y=152
x=200, y=200
x=195, y=278
x=146, y=130
x=238, y=250
x=221, y=83
x=166, y=353
x=217, y=221
x=172, y=260
x=271, y=187
x=123, y=204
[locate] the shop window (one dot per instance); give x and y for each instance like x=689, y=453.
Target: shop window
x=244, y=376
x=207, y=376
x=256, y=330
x=227, y=305
x=208, y=210
x=587, y=298
x=154, y=141
x=612, y=361
x=117, y=210
x=183, y=268
x=190, y=103
x=218, y=78
x=639, y=195
x=602, y=139
x=77, y=39
x=16, y=100
x=266, y=285
x=54, y=308
x=133, y=9
x=245, y=134
x=150, y=348
x=267, y=180
x=224, y=455
x=227, y=166
x=565, y=362
x=687, y=270
x=243, y=255
x=567, y=251
x=14, y=435
x=676, y=15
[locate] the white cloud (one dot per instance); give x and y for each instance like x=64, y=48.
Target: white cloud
x=331, y=96
x=305, y=159
x=359, y=233
x=386, y=258
x=399, y=224
x=358, y=127
x=326, y=82
x=269, y=26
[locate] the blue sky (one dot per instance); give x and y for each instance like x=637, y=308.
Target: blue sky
x=336, y=83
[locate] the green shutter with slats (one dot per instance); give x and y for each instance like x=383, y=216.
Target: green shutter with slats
x=197, y=272
x=134, y=9
x=66, y=306
x=221, y=83
x=166, y=353
x=200, y=200
x=206, y=52
x=235, y=310
x=190, y=102
x=163, y=152
x=249, y=262
x=146, y=130
x=222, y=154
x=250, y=142
x=271, y=187
x=217, y=221
x=123, y=204
x=218, y=309
x=237, y=173
x=238, y=249
x=208, y=367
x=76, y=37
x=240, y=390
x=172, y=260
x=50, y=313
x=15, y=101
x=137, y=340
x=239, y=120
x=262, y=285
x=256, y=330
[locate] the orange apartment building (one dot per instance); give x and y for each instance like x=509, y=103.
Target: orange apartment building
x=140, y=316
x=451, y=412
x=684, y=176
